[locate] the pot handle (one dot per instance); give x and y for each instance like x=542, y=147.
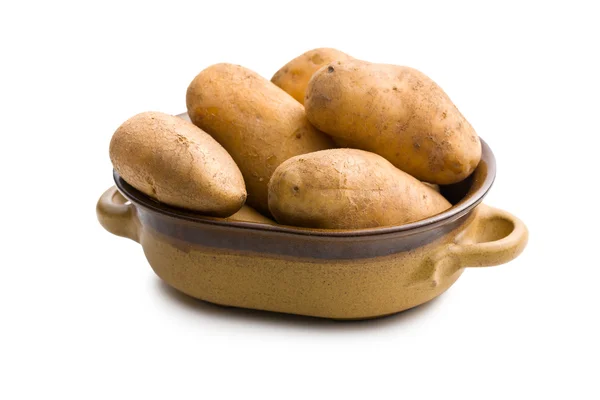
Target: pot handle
x=116, y=216
x=497, y=237
x=494, y=237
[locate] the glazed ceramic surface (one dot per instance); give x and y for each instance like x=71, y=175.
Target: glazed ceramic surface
x=342, y=274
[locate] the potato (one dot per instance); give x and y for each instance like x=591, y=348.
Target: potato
x=348, y=189
x=176, y=163
x=433, y=186
x=249, y=214
x=342, y=143
x=259, y=124
x=396, y=112
x=293, y=77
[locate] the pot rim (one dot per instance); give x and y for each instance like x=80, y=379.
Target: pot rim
x=458, y=210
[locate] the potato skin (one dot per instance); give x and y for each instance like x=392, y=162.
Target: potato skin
x=259, y=124
x=348, y=189
x=294, y=76
x=176, y=163
x=433, y=186
x=396, y=112
x=249, y=214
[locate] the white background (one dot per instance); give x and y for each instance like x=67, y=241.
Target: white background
x=84, y=317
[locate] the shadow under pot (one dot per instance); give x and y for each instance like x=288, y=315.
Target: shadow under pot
x=340, y=274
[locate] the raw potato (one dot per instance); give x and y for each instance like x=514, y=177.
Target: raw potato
x=259, y=124
x=178, y=164
x=396, y=112
x=293, y=77
x=249, y=214
x=433, y=186
x=348, y=189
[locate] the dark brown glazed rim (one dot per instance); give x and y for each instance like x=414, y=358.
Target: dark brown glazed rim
x=464, y=196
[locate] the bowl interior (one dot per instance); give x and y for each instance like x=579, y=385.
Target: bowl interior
x=464, y=196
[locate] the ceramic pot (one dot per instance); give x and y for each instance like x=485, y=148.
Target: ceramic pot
x=341, y=274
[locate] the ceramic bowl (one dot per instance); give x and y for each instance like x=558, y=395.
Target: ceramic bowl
x=341, y=274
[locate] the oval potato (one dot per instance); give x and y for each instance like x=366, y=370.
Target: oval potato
x=342, y=143
x=348, y=189
x=396, y=112
x=249, y=214
x=176, y=163
x=259, y=124
x=434, y=186
x=293, y=77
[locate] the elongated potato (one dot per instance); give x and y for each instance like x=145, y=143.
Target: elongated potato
x=177, y=163
x=259, y=124
x=249, y=214
x=396, y=112
x=342, y=143
x=348, y=189
x=433, y=186
x=293, y=77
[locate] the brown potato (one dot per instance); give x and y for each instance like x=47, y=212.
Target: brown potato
x=433, y=186
x=343, y=143
x=259, y=124
x=249, y=214
x=293, y=77
x=396, y=112
x=178, y=164
x=348, y=189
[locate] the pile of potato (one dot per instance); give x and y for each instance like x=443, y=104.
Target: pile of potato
x=330, y=142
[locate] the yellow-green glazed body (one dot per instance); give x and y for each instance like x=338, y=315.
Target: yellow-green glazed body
x=350, y=274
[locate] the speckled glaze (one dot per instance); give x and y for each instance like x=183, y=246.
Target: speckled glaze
x=341, y=274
